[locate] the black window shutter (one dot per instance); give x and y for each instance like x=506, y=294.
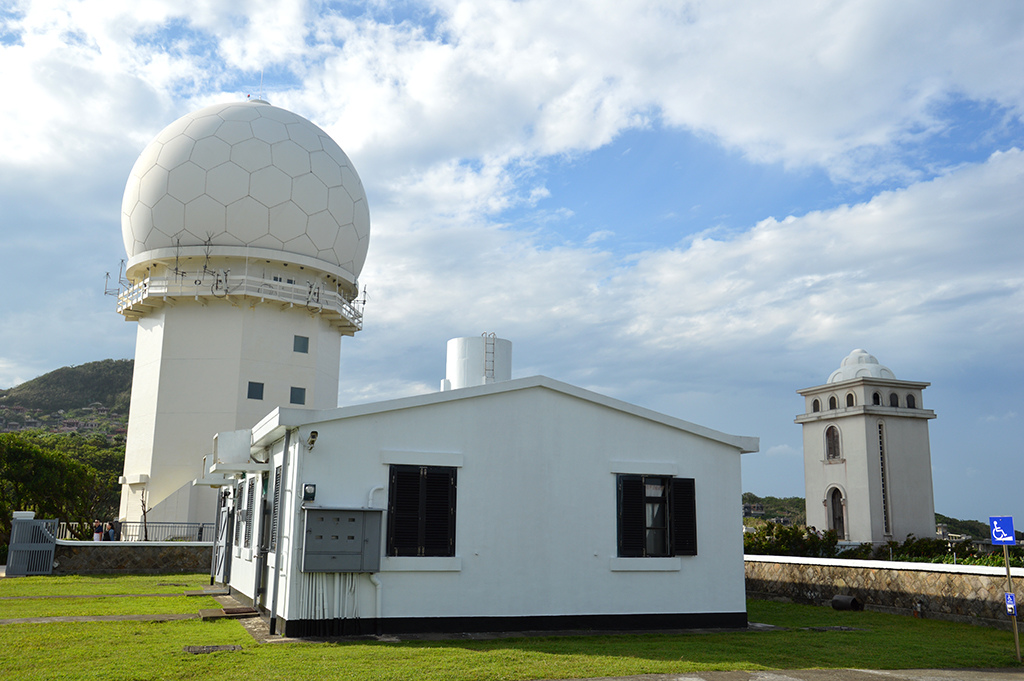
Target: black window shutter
x=404, y=511
x=683, y=517
x=632, y=520
x=239, y=513
x=250, y=507
x=275, y=516
x=438, y=502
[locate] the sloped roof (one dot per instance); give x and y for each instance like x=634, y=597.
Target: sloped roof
x=272, y=427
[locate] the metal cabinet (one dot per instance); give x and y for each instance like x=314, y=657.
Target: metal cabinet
x=341, y=540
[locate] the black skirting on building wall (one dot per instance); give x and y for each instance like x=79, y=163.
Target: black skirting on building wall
x=455, y=625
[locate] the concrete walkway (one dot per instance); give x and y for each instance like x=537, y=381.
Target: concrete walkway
x=835, y=675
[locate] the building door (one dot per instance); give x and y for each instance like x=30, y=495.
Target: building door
x=836, y=507
x=222, y=543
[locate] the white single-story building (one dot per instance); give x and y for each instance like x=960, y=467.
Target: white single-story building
x=513, y=505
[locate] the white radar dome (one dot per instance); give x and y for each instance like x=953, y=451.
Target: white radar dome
x=251, y=175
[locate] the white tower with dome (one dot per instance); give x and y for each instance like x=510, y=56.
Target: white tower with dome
x=246, y=227
x=867, y=459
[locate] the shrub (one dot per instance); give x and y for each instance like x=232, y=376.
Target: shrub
x=778, y=540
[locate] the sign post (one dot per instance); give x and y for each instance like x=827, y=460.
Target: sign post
x=1001, y=528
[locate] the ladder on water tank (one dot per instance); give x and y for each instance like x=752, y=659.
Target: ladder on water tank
x=489, y=356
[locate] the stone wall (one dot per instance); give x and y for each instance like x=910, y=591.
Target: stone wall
x=954, y=592
x=85, y=557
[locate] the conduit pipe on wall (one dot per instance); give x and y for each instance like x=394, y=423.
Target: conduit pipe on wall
x=353, y=588
x=369, y=498
x=338, y=603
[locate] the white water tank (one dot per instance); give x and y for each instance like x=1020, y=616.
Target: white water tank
x=477, y=360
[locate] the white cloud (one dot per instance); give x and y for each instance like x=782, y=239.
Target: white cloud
x=843, y=86
x=999, y=418
x=783, y=451
x=888, y=274
x=12, y=373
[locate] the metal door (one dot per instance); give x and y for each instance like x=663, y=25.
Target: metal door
x=222, y=544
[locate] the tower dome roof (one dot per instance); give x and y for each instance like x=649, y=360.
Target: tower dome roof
x=247, y=174
x=859, y=364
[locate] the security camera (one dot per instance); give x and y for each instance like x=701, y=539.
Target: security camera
x=312, y=439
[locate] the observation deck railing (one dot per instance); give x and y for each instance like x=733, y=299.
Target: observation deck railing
x=151, y=292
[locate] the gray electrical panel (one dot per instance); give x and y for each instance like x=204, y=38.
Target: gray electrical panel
x=342, y=540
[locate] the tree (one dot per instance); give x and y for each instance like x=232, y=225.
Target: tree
x=95, y=451
x=49, y=482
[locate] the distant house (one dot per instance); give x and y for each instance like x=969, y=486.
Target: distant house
x=513, y=505
x=753, y=510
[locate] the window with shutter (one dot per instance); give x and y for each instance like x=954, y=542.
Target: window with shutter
x=250, y=506
x=657, y=516
x=421, y=511
x=275, y=515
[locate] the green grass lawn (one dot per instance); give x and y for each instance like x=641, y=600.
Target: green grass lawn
x=102, y=585
x=104, y=605
x=147, y=650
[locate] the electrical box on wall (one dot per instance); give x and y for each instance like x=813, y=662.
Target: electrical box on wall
x=342, y=540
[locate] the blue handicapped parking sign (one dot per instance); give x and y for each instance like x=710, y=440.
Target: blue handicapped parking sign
x=1002, y=530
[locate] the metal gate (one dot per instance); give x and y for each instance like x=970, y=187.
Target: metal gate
x=32, y=545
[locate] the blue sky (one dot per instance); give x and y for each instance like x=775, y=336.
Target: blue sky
x=698, y=208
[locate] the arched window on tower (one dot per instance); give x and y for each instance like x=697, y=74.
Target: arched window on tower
x=833, y=403
x=836, y=521
x=816, y=405
x=850, y=400
x=894, y=400
x=876, y=398
x=832, y=453
x=911, y=402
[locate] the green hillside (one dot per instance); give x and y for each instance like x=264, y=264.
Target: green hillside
x=790, y=508
x=108, y=382
x=969, y=528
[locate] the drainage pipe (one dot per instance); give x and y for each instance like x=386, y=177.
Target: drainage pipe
x=380, y=615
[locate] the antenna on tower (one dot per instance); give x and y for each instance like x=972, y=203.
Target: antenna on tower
x=122, y=283
x=177, y=251
x=360, y=302
x=259, y=95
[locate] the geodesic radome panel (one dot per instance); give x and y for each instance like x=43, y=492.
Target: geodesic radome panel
x=247, y=174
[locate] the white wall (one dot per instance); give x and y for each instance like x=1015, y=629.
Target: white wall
x=536, y=510
x=193, y=366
